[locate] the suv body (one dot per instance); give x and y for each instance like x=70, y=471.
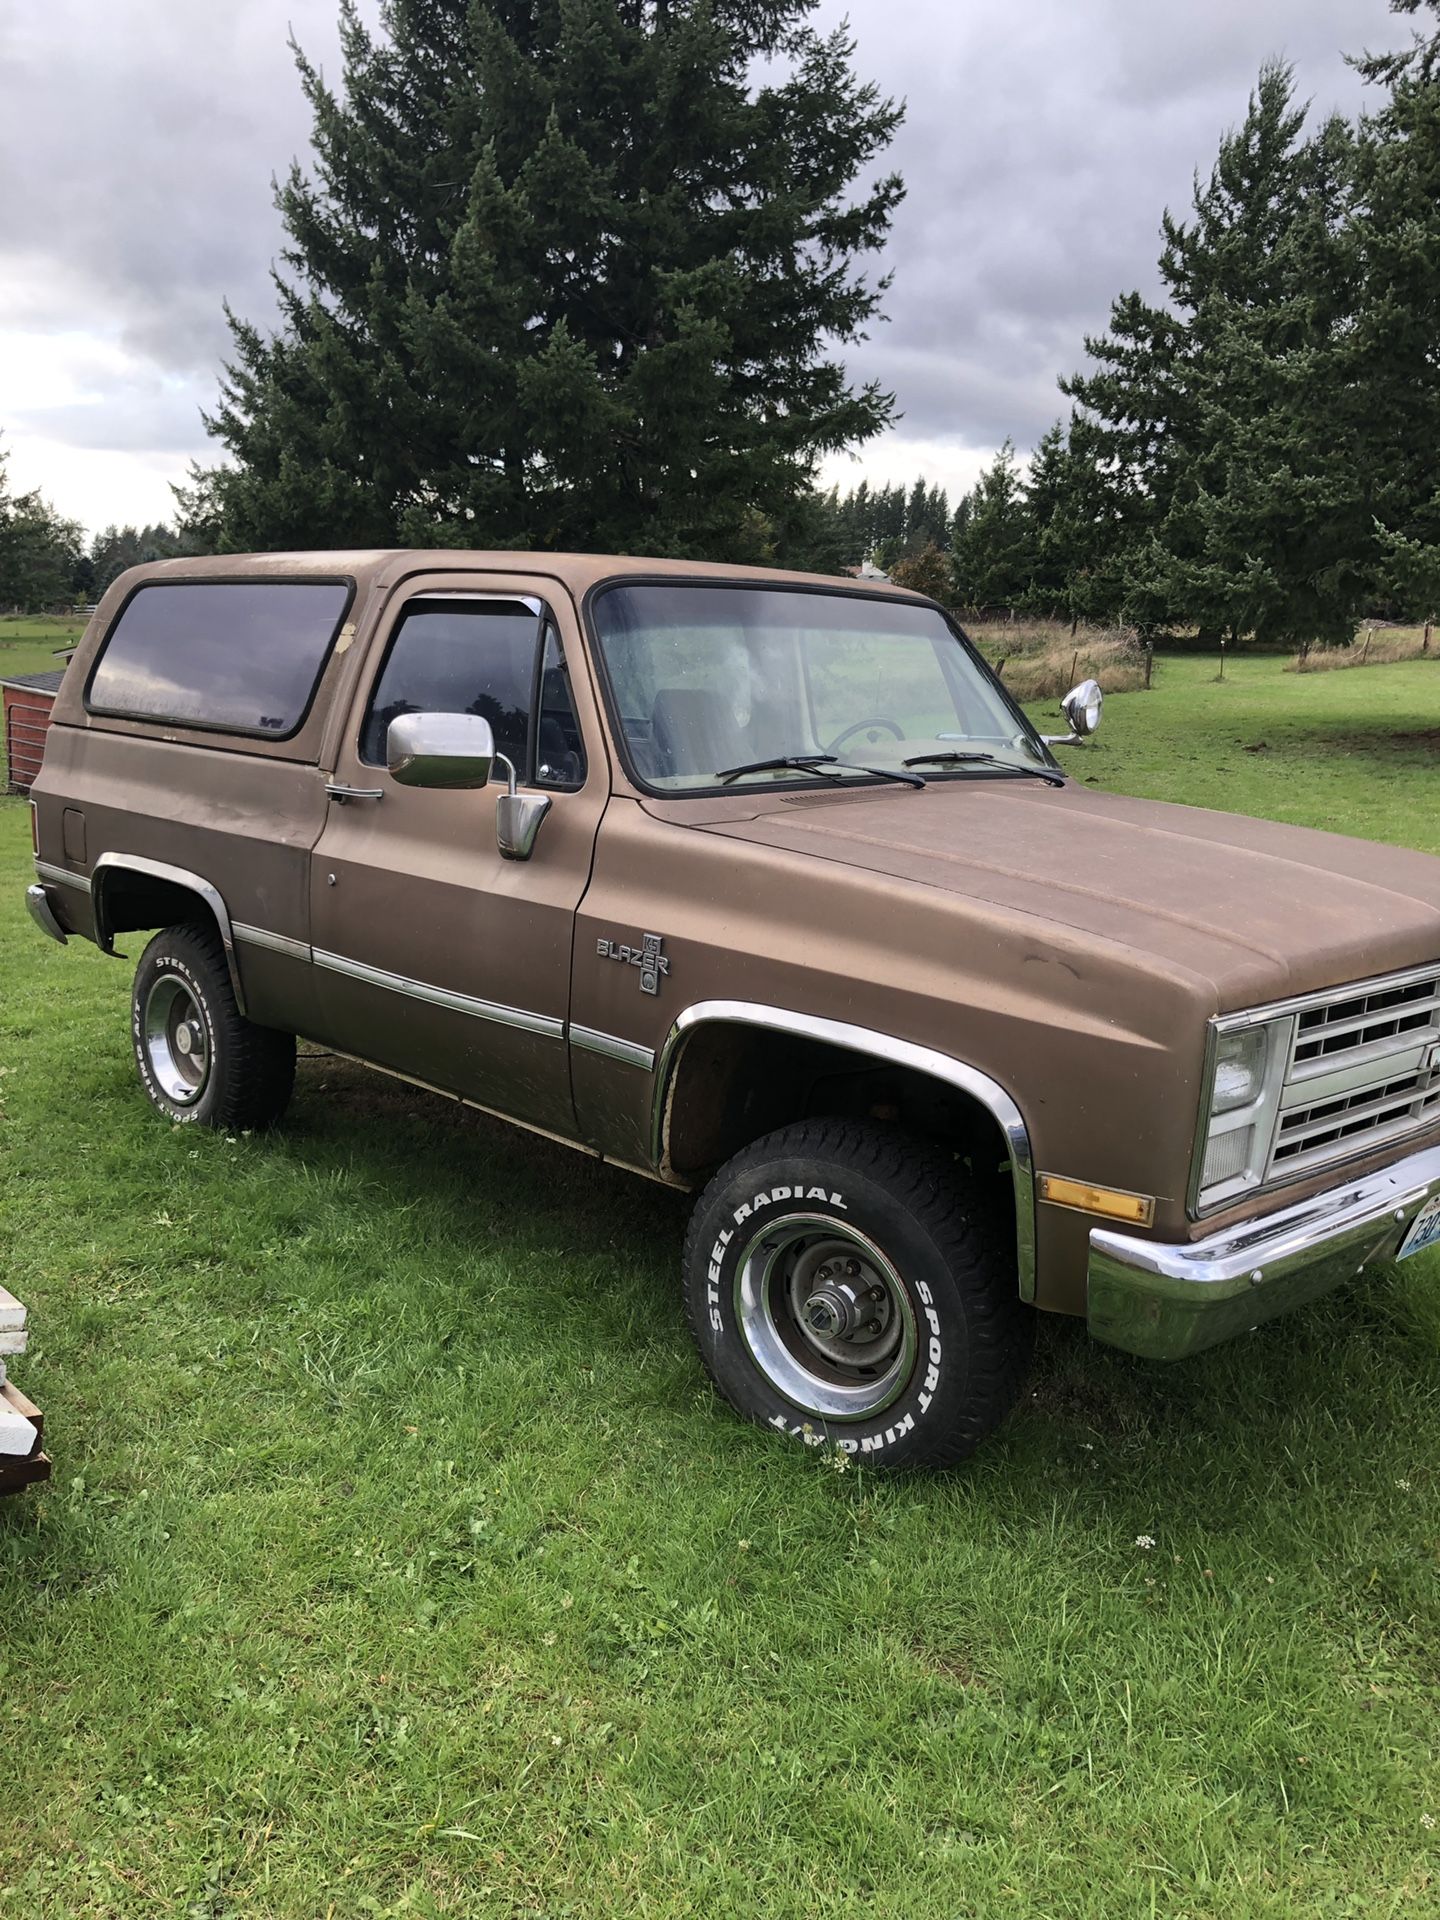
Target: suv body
x=1192, y=1058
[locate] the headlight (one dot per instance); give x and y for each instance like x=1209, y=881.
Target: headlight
x=1239, y=1068
x=1241, y=1108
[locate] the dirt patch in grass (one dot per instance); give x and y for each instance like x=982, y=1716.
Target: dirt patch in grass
x=1350, y=739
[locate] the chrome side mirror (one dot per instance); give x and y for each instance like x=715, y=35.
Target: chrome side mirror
x=458, y=750
x=1082, y=707
x=440, y=750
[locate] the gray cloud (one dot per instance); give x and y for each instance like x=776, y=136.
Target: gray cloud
x=1040, y=148
x=137, y=144
x=138, y=140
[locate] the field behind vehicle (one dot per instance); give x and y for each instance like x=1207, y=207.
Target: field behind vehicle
x=399, y=1561
x=1351, y=752
x=28, y=642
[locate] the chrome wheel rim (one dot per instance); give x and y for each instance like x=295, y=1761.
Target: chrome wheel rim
x=825, y=1317
x=176, y=1040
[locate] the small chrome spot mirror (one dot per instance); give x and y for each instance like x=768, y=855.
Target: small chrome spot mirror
x=440, y=750
x=517, y=821
x=1082, y=707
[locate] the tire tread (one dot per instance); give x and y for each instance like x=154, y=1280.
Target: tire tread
x=968, y=1230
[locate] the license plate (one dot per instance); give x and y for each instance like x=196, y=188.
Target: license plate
x=1424, y=1229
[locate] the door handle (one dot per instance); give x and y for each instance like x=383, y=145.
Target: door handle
x=342, y=794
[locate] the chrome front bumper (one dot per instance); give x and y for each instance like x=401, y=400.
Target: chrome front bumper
x=1167, y=1301
x=43, y=914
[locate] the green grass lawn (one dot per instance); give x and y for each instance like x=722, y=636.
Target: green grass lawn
x=1354, y=751
x=28, y=642
x=399, y=1561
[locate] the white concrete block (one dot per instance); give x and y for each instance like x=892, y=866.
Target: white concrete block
x=12, y=1314
x=13, y=1343
x=17, y=1436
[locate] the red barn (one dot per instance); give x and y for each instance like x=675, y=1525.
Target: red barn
x=28, y=700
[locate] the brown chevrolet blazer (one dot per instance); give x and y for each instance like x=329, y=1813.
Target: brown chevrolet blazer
x=757, y=884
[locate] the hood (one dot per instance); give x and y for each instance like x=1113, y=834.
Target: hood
x=1257, y=909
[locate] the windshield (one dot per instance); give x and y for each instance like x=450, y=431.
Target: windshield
x=710, y=680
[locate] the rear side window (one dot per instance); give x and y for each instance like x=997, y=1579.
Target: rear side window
x=241, y=655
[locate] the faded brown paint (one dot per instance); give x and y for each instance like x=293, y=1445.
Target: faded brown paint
x=1070, y=945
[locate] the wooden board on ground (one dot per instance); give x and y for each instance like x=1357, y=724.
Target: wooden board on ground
x=24, y=1473
x=22, y=1470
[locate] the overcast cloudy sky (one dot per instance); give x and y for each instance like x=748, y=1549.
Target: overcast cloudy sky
x=138, y=139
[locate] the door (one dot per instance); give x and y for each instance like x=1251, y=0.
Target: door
x=434, y=955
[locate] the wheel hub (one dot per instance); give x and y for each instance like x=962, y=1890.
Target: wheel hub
x=176, y=1040
x=825, y=1317
x=843, y=1310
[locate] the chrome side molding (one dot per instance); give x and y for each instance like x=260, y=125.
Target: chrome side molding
x=62, y=876
x=542, y=1023
x=612, y=1047
x=272, y=942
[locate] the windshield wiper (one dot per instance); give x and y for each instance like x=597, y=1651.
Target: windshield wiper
x=819, y=764
x=1053, y=775
x=815, y=763
x=885, y=773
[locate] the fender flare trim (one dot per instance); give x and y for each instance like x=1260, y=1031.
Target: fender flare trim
x=195, y=883
x=879, y=1046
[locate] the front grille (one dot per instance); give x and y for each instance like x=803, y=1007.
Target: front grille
x=1364, y=1070
x=1368, y=1019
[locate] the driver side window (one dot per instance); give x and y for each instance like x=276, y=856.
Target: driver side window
x=494, y=658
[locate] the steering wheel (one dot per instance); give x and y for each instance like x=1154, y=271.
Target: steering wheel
x=891, y=726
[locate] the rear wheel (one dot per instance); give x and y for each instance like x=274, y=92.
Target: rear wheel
x=850, y=1285
x=198, y=1057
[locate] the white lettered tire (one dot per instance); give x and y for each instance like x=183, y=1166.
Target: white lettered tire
x=199, y=1059
x=849, y=1286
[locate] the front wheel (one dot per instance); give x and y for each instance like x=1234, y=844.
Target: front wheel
x=198, y=1057
x=850, y=1285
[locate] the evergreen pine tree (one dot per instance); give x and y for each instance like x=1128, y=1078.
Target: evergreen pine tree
x=994, y=551
x=39, y=550
x=562, y=276
x=888, y=505
x=1397, y=227
x=1227, y=423
x=1058, y=542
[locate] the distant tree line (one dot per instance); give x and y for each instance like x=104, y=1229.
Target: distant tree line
x=1258, y=454
x=579, y=277
x=115, y=549
x=46, y=562
x=39, y=550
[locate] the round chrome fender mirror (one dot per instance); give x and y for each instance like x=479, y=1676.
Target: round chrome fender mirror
x=1082, y=707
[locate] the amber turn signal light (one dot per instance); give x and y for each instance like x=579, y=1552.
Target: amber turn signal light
x=1109, y=1202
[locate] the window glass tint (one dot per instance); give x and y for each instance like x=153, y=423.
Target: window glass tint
x=241, y=655
x=479, y=657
